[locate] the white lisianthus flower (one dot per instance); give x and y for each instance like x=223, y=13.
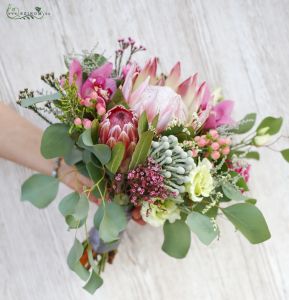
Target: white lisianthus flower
x=201, y=182
x=156, y=215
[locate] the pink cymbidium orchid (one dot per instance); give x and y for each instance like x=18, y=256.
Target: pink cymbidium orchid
x=98, y=87
x=144, y=91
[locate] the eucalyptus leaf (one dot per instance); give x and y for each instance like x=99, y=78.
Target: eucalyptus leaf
x=248, y=219
x=117, y=155
x=97, y=175
x=202, y=226
x=113, y=222
x=177, y=239
x=56, y=141
x=94, y=282
x=102, y=152
x=75, y=254
x=68, y=203
x=40, y=190
x=232, y=193
x=141, y=150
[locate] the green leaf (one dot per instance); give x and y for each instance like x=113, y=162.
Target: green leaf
x=102, y=152
x=143, y=124
x=113, y=222
x=34, y=100
x=74, y=254
x=73, y=157
x=285, y=154
x=232, y=193
x=177, y=239
x=68, y=203
x=94, y=131
x=40, y=190
x=85, y=139
x=202, y=226
x=142, y=149
x=80, y=270
x=245, y=124
x=56, y=141
x=251, y=201
x=74, y=223
x=98, y=216
x=81, y=208
x=248, y=219
x=253, y=155
x=117, y=155
x=269, y=125
x=155, y=121
x=97, y=175
x=94, y=282
x=241, y=183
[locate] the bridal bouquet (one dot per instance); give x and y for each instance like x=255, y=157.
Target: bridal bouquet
x=161, y=151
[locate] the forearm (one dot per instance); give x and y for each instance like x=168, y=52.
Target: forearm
x=20, y=141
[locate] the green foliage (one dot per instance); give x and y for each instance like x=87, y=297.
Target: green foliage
x=202, y=226
x=56, y=141
x=269, y=125
x=74, y=156
x=94, y=282
x=248, y=219
x=141, y=150
x=253, y=155
x=74, y=208
x=232, y=193
x=285, y=154
x=117, y=155
x=113, y=222
x=143, y=124
x=245, y=124
x=73, y=262
x=97, y=174
x=40, y=190
x=94, y=131
x=177, y=239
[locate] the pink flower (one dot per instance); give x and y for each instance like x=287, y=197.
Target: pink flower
x=86, y=123
x=77, y=121
x=98, y=87
x=220, y=115
x=119, y=125
x=144, y=91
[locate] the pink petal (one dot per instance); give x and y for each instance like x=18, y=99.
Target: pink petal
x=136, y=94
x=110, y=84
x=174, y=76
x=103, y=71
x=127, y=85
x=87, y=88
x=75, y=73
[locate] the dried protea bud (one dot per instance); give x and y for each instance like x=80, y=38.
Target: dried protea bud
x=119, y=125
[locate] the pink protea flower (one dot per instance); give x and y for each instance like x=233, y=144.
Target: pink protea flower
x=119, y=125
x=144, y=91
x=97, y=89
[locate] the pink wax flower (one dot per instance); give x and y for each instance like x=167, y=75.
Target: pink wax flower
x=86, y=123
x=169, y=98
x=77, y=121
x=242, y=169
x=220, y=115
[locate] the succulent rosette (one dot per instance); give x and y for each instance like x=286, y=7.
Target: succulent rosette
x=158, y=150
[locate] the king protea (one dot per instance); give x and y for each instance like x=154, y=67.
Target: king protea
x=169, y=98
x=119, y=125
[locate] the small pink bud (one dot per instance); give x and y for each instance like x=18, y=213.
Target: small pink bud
x=197, y=138
x=77, y=121
x=86, y=123
x=202, y=142
x=194, y=152
x=215, y=155
x=222, y=141
x=100, y=109
x=226, y=150
x=215, y=146
x=87, y=102
x=82, y=102
x=214, y=133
